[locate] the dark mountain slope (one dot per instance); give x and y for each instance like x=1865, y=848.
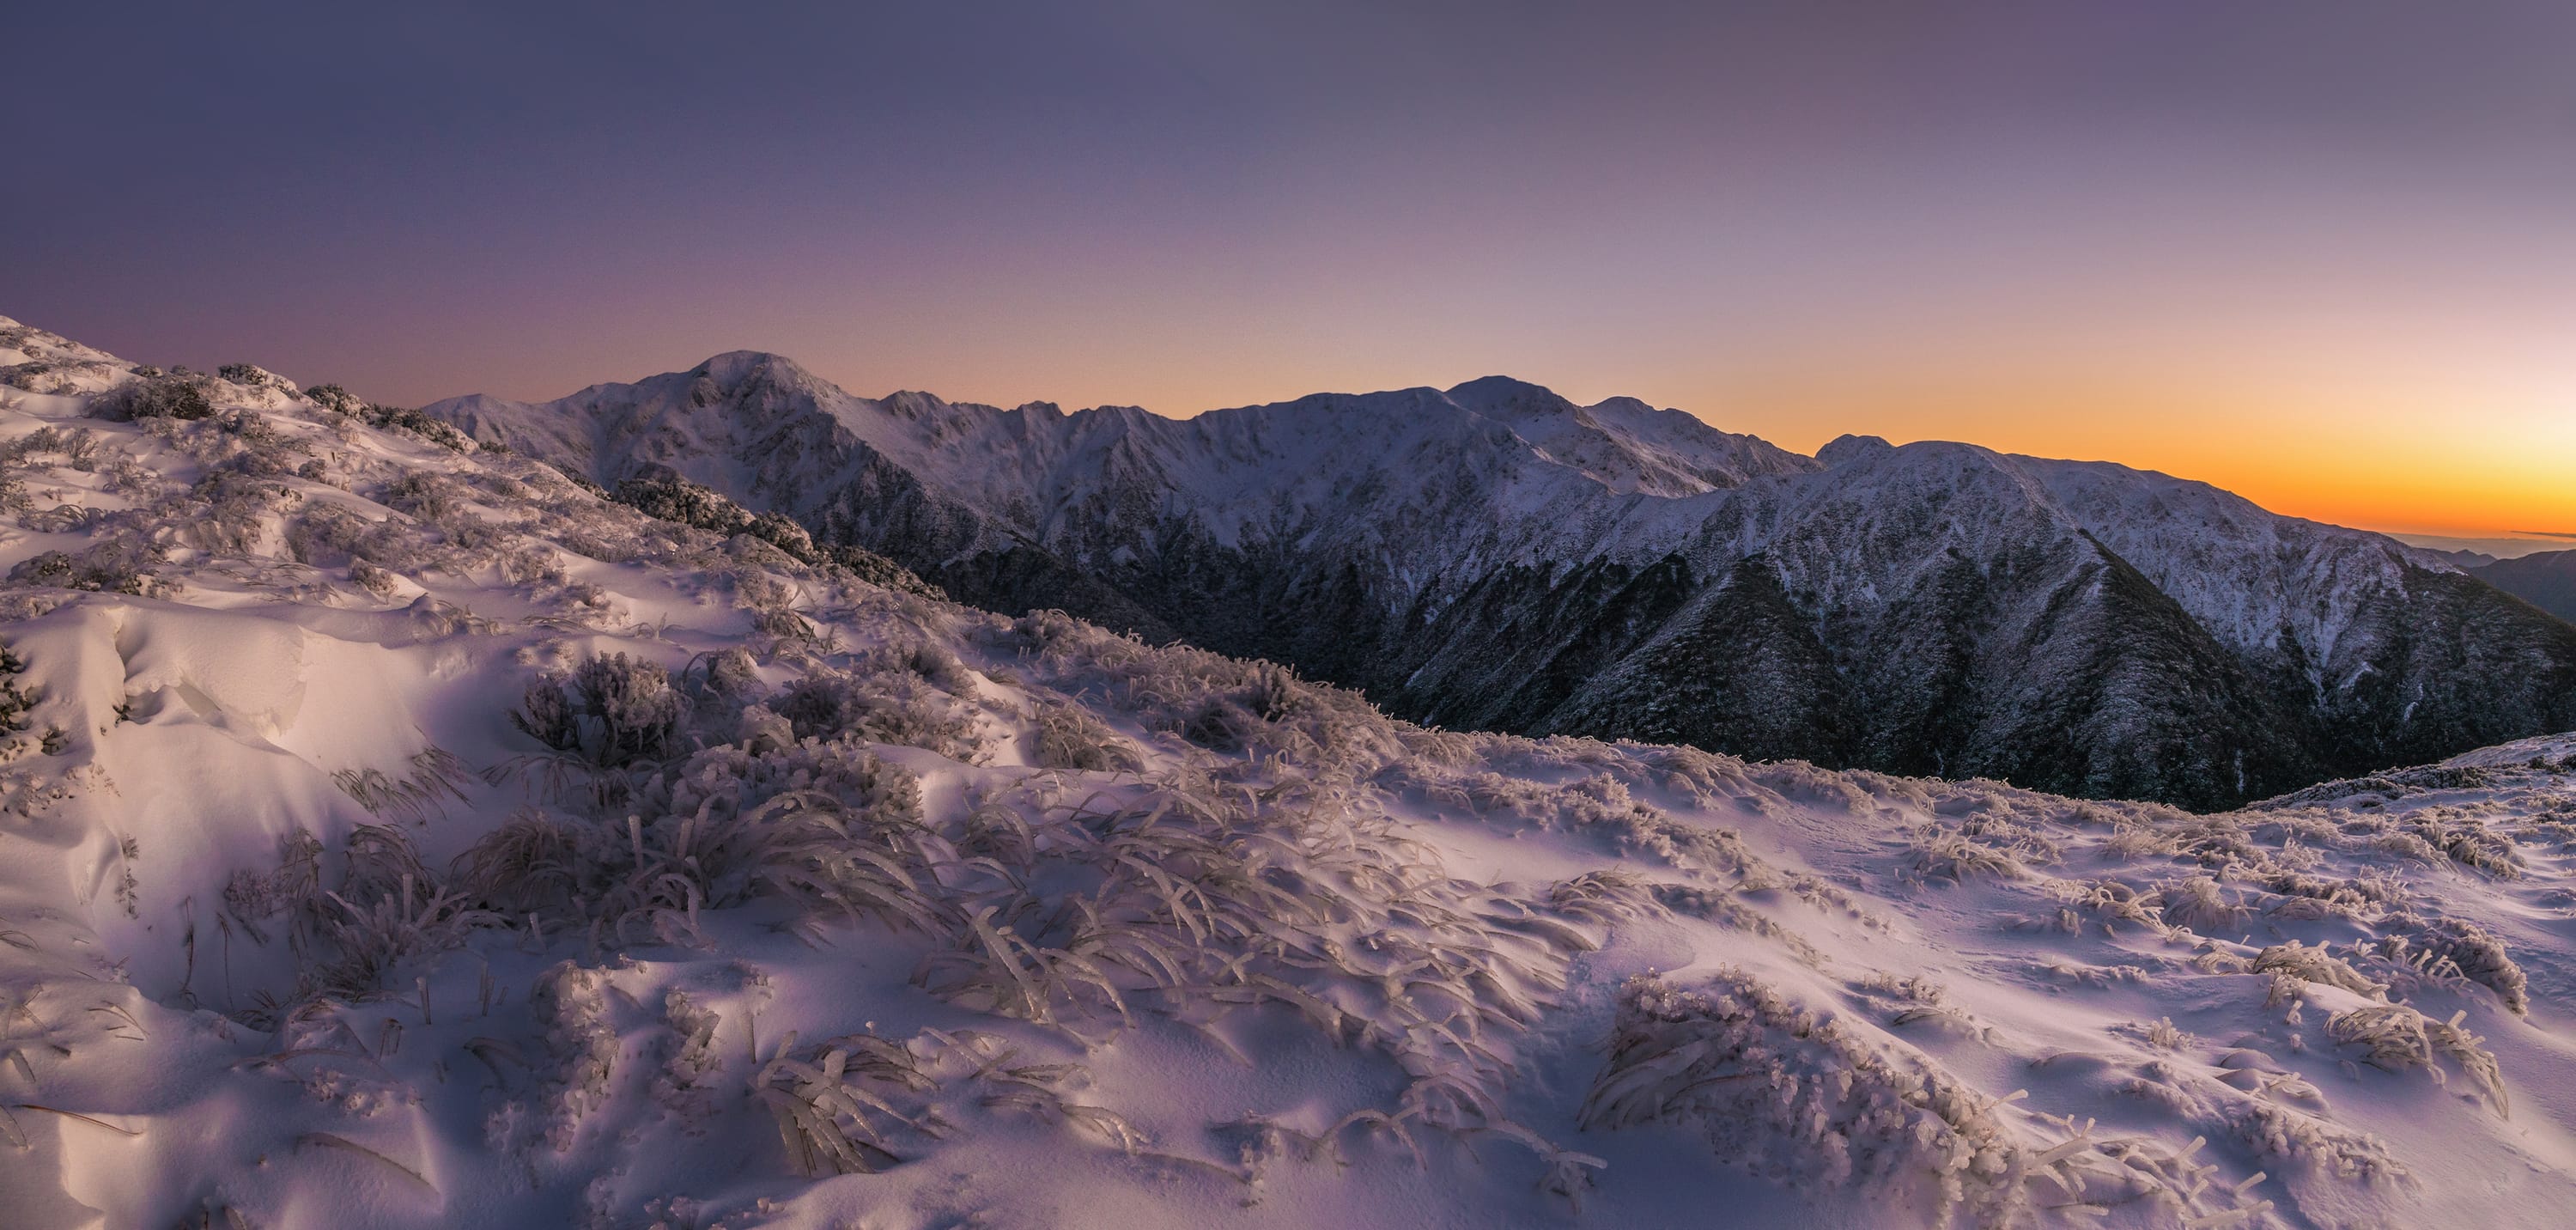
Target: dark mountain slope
x=2545, y=579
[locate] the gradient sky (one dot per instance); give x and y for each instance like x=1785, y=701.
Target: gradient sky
x=2322, y=252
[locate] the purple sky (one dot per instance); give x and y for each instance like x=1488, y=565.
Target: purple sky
x=2182, y=233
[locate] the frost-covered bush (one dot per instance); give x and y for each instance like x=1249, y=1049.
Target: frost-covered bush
x=15, y=701
x=117, y=566
x=232, y=511
x=78, y=448
x=879, y=571
x=424, y=494
x=335, y=399
x=405, y=419
x=882, y=705
x=612, y=709
x=249, y=376
x=178, y=394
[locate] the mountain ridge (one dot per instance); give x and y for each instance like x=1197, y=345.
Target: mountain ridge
x=1492, y=554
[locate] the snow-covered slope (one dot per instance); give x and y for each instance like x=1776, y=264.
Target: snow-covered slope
x=396, y=833
x=1494, y=556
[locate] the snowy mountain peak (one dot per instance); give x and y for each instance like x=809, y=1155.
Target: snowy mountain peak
x=1844, y=449
x=1506, y=397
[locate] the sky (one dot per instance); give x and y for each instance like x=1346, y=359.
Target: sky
x=2320, y=252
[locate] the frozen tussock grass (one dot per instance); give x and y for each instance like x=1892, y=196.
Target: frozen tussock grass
x=695, y=837
x=387, y=911
x=1951, y=857
x=2318, y=966
x=2396, y=1038
x=2476, y=954
x=846, y=1106
x=2199, y=904
x=1180, y=895
x=1226, y=705
x=1068, y=738
x=1811, y=1100
x=1599, y=805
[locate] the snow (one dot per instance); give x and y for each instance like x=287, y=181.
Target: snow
x=1348, y=971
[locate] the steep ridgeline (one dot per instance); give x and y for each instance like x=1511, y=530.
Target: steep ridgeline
x=1494, y=556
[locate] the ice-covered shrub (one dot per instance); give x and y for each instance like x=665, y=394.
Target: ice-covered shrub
x=177, y=394
x=884, y=706
x=424, y=494
x=117, y=566
x=879, y=571
x=406, y=419
x=15, y=701
x=249, y=376
x=232, y=511
x=333, y=398
x=722, y=682
x=613, y=709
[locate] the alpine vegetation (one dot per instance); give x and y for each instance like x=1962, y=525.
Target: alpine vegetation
x=402, y=831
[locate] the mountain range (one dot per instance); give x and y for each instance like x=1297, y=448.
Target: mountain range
x=1496, y=556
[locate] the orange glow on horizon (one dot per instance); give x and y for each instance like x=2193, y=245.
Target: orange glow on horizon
x=2492, y=463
